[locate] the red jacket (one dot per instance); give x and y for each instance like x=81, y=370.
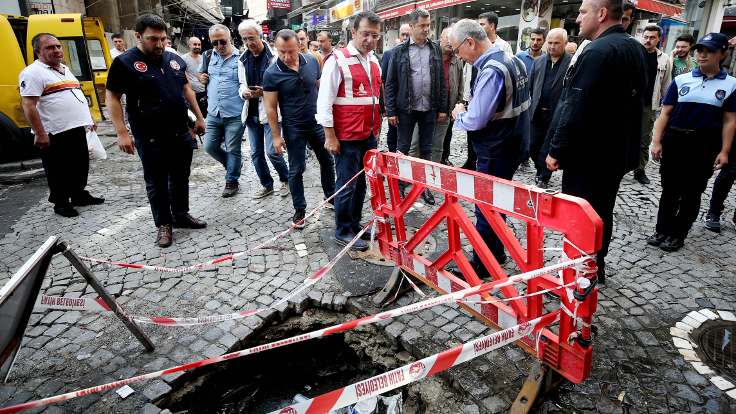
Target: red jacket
x=356, y=111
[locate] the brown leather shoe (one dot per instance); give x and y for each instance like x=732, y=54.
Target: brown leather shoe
x=164, y=238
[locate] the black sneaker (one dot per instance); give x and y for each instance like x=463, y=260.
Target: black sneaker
x=713, y=222
x=231, y=188
x=66, y=210
x=641, y=177
x=359, y=245
x=87, y=200
x=298, y=220
x=543, y=184
x=428, y=197
x=188, y=222
x=672, y=244
x=656, y=239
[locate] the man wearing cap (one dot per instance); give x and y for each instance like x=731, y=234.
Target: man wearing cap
x=692, y=137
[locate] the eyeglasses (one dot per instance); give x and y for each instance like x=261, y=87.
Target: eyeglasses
x=375, y=36
x=457, y=49
x=219, y=42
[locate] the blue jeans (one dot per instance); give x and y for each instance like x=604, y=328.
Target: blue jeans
x=259, y=137
x=296, y=138
x=501, y=168
x=227, y=130
x=349, y=203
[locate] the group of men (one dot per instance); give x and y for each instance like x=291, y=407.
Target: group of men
x=332, y=101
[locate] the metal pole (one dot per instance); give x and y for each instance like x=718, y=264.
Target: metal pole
x=106, y=297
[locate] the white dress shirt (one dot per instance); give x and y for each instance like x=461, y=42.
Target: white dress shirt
x=330, y=82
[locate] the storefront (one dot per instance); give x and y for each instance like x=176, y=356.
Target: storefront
x=443, y=11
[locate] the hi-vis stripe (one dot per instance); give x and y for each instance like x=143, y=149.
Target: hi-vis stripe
x=497, y=193
x=61, y=86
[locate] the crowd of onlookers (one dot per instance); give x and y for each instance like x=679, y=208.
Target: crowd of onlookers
x=596, y=111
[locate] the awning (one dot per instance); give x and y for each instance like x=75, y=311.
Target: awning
x=397, y=11
x=439, y=4
x=209, y=10
x=660, y=7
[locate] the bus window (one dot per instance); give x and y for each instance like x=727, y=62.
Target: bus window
x=75, y=58
x=96, y=54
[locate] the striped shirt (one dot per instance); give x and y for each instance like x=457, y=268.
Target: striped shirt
x=62, y=104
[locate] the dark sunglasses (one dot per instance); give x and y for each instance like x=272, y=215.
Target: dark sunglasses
x=220, y=42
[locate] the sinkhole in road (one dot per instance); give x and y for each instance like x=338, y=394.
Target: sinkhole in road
x=271, y=380
x=717, y=346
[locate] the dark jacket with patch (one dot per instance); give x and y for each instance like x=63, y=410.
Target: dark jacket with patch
x=398, y=88
x=597, y=126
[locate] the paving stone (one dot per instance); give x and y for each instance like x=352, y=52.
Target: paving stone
x=156, y=389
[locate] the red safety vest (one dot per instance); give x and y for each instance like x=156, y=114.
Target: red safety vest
x=356, y=111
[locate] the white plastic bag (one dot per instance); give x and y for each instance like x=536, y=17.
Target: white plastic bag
x=94, y=145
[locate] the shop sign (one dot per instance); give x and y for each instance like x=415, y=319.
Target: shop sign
x=265, y=28
x=439, y=4
x=396, y=11
x=315, y=17
x=345, y=9
x=279, y=4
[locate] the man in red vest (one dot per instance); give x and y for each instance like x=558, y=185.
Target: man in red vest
x=349, y=110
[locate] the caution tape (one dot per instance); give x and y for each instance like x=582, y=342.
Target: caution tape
x=97, y=305
x=346, y=326
x=415, y=371
x=222, y=259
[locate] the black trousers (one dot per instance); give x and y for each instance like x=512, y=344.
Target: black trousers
x=166, y=166
x=66, y=162
x=685, y=169
x=446, y=143
x=600, y=190
x=392, y=138
x=202, y=102
x=426, y=121
x=538, y=148
x=722, y=185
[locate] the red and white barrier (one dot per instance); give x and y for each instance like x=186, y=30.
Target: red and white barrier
x=226, y=258
x=346, y=326
x=415, y=371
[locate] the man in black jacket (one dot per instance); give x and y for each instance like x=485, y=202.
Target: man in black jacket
x=415, y=88
x=597, y=135
x=392, y=135
x=547, y=75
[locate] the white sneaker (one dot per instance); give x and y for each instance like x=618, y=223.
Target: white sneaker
x=284, y=190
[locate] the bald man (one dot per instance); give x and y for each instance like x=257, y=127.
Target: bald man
x=546, y=86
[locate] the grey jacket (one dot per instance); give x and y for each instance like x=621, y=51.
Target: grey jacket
x=455, y=78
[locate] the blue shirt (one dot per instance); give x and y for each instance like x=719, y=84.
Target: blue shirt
x=528, y=60
x=223, y=98
x=699, y=102
x=297, y=90
x=488, y=92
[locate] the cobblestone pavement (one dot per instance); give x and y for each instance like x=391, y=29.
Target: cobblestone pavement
x=636, y=367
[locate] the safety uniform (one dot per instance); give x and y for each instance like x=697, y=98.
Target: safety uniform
x=498, y=125
x=349, y=102
x=691, y=141
x=157, y=110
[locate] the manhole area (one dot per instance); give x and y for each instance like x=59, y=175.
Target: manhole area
x=276, y=378
x=716, y=348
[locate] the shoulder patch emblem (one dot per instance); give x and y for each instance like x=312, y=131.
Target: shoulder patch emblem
x=720, y=94
x=174, y=65
x=140, y=66
x=684, y=90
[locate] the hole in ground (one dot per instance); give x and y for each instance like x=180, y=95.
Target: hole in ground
x=270, y=380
